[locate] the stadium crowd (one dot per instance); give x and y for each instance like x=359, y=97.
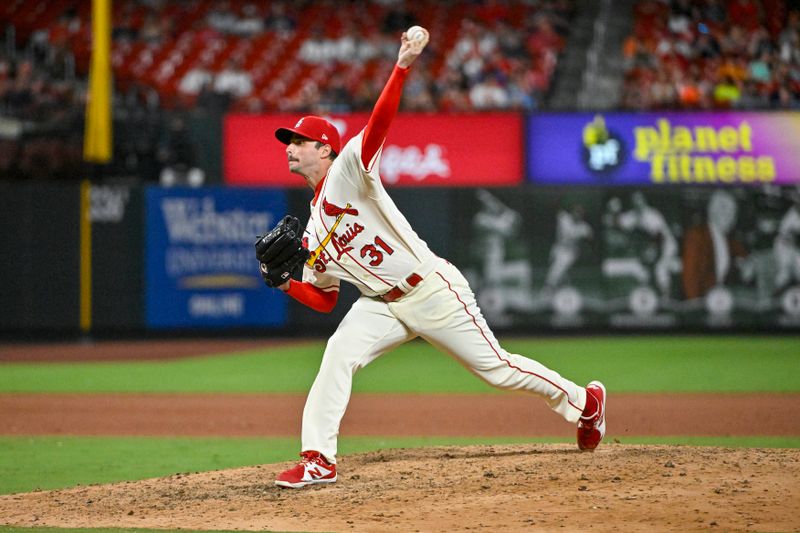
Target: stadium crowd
x=309, y=55
x=314, y=56
x=713, y=54
x=304, y=56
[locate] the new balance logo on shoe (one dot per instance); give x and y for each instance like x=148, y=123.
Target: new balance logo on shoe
x=312, y=469
x=317, y=472
x=592, y=428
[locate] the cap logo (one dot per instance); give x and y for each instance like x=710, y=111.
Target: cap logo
x=324, y=137
x=299, y=122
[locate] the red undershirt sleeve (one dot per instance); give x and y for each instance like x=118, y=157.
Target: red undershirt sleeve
x=382, y=115
x=313, y=297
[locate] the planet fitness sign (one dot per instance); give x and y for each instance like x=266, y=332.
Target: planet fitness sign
x=664, y=148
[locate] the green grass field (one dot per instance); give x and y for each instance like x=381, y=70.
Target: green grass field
x=9, y=529
x=625, y=364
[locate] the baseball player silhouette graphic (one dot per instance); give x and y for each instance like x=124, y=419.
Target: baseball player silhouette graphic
x=356, y=234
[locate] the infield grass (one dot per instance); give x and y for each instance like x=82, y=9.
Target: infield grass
x=626, y=364
x=11, y=529
x=43, y=463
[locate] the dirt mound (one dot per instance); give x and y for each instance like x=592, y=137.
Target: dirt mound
x=489, y=488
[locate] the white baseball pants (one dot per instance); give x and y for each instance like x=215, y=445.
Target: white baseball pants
x=443, y=311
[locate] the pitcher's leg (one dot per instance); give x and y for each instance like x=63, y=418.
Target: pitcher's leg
x=368, y=331
x=453, y=322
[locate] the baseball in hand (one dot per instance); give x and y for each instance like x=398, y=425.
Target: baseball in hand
x=415, y=33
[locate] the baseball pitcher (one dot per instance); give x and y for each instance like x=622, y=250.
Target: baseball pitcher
x=356, y=234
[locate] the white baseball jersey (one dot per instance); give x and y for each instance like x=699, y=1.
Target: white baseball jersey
x=373, y=247
x=790, y=225
x=787, y=255
x=647, y=219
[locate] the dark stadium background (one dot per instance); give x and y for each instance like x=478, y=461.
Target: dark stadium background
x=187, y=75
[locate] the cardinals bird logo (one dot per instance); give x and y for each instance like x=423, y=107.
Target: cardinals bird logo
x=333, y=210
x=330, y=210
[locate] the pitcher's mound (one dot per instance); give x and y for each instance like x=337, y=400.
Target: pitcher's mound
x=488, y=488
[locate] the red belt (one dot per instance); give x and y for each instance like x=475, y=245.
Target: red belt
x=395, y=294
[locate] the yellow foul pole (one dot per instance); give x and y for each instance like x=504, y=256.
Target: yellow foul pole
x=86, y=258
x=97, y=142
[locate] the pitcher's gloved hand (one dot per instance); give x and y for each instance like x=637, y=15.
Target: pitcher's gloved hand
x=280, y=252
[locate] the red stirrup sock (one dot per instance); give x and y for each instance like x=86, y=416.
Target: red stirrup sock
x=591, y=407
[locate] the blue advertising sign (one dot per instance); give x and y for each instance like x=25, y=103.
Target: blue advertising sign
x=201, y=269
x=718, y=148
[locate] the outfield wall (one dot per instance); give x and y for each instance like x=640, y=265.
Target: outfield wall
x=561, y=221
x=616, y=258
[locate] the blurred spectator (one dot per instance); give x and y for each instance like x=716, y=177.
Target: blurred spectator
x=488, y=94
x=197, y=77
x=366, y=93
x=177, y=155
x=278, y=19
x=398, y=19
x=124, y=27
x=136, y=131
x=745, y=13
x=493, y=12
x=153, y=29
x=759, y=68
x=66, y=26
x=521, y=93
x=753, y=97
x=789, y=39
x=222, y=17
x=454, y=100
x=664, y=92
x=726, y=93
x=211, y=100
x=692, y=92
x=713, y=11
x=250, y=22
x=733, y=67
x=706, y=46
x=233, y=80
x=510, y=41
x=19, y=96
x=469, y=52
x=544, y=37
x=335, y=98
x=318, y=50
x=680, y=16
x=417, y=94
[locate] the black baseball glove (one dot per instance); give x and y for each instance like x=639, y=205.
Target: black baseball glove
x=281, y=251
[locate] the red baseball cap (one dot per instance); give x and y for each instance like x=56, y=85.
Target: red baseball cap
x=314, y=128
